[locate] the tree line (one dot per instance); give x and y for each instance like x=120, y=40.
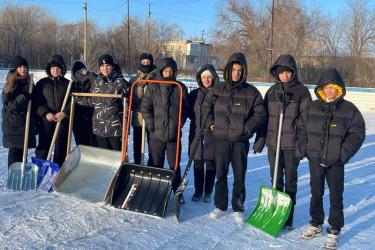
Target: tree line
x=345, y=40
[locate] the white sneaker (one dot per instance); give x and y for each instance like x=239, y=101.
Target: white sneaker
x=238, y=217
x=217, y=213
x=332, y=239
x=311, y=232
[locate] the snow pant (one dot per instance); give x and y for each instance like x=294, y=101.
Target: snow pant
x=46, y=131
x=334, y=175
x=113, y=143
x=14, y=155
x=137, y=144
x=158, y=149
x=200, y=179
x=288, y=165
x=234, y=153
x=82, y=128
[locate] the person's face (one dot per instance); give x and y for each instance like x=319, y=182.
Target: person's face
x=167, y=72
x=146, y=62
x=207, y=81
x=330, y=92
x=236, y=72
x=55, y=71
x=285, y=76
x=22, y=70
x=106, y=69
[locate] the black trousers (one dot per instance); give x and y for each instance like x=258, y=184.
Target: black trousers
x=46, y=131
x=113, y=143
x=234, y=153
x=137, y=144
x=204, y=180
x=14, y=155
x=287, y=176
x=82, y=126
x=158, y=149
x=334, y=175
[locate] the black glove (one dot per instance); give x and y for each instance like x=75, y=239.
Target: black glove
x=151, y=127
x=259, y=144
x=81, y=74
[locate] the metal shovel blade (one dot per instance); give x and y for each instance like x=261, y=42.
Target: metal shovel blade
x=271, y=212
x=22, y=176
x=87, y=172
x=143, y=189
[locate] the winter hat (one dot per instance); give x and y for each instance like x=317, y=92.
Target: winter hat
x=106, y=59
x=206, y=73
x=79, y=70
x=147, y=56
x=146, y=68
x=280, y=69
x=19, y=61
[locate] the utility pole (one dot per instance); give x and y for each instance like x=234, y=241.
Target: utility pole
x=149, y=28
x=128, y=38
x=85, y=34
x=270, y=45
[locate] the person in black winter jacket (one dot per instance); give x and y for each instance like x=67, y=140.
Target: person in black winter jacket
x=331, y=131
x=108, y=112
x=49, y=96
x=15, y=98
x=82, y=125
x=160, y=107
x=146, y=71
x=238, y=113
x=297, y=98
x=204, y=155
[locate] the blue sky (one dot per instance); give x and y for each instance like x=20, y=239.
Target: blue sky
x=192, y=15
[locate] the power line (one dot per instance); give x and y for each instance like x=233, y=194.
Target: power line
x=168, y=2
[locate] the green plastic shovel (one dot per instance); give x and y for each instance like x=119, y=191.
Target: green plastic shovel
x=273, y=207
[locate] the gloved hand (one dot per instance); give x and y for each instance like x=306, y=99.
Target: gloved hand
x=81, y=74
x=150, y=127
x=259, y=144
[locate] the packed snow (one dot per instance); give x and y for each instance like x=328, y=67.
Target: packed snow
x=40, y=220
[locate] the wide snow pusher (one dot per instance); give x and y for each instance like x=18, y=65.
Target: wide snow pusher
x=140, y=188
x=87, y=171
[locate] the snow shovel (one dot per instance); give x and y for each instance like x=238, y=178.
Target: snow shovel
x=139, y=188
x=180, y=190
x=23, y=175
x=273, y=207
x=47, y=169
x=87, y=171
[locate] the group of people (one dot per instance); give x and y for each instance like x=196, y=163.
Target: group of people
x=224, y=116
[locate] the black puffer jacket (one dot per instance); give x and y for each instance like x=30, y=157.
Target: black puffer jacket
x=107, y=117
x=50, y=91
x=14, y=113
x=239, y=110
x=333, y=131
x=297, y=98
x=197, y=115
x=160, y=105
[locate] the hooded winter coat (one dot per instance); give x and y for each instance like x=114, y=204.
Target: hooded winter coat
x=297, y=98
x=333, y=131
x=50, y=91
x=107, y=117
x=160, y=105
x=238, y=110
x=14, y=112
x=197, y=116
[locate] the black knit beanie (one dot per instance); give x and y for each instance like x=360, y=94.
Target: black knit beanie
x=105, y=59
x=19, y=61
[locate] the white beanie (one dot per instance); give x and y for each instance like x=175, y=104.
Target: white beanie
x=206, y=72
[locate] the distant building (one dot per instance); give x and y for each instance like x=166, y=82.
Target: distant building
x=190, y=55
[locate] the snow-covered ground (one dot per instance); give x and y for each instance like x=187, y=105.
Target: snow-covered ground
x=39, y=220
